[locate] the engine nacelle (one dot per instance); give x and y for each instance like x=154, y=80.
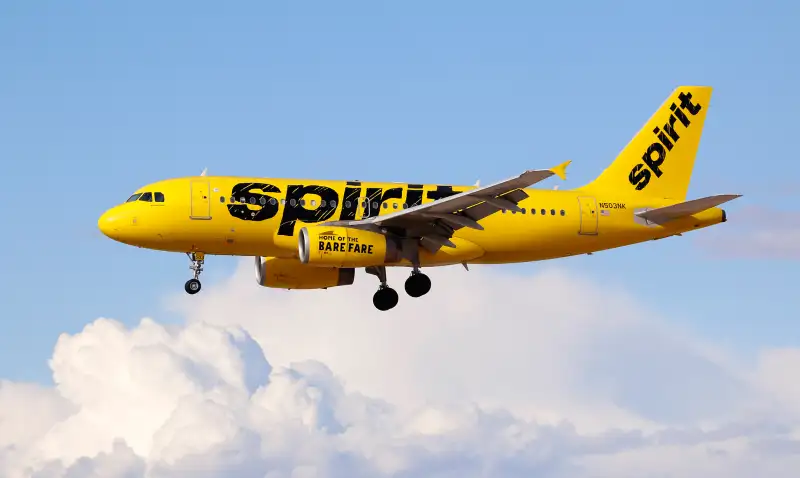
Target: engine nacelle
x=290, y=274
x=345, y=247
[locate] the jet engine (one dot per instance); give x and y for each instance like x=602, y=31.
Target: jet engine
x=290, y=274
x=322, y=246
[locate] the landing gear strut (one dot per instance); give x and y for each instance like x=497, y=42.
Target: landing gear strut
x=193, y=285
x=418, y=284
x=386, y=297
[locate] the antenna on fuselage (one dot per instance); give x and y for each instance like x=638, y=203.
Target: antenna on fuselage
x=205, y=170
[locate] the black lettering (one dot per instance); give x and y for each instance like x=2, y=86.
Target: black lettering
x=441, y=192
x=654, y=164
x=369, y=249
x=639, y=177
x=248, y=193
x=670, y=129
x=686, y=103
x=663, y=138
x=656, y=154
x=414, y=195
x=349, y=247
x=328, y=246
x=341, y=247
x=335, y=247
x=363, y=249
x=292, y=214
x=612, y=205
x=350, y=203
x=680, y=116
x=379, y=196
x=321, y=245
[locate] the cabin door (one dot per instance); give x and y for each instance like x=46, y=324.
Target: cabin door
x=588, y=215
x=200, y=200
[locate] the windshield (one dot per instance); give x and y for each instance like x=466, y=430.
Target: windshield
x=134, y=197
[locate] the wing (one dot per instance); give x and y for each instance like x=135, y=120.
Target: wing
x=435, y=222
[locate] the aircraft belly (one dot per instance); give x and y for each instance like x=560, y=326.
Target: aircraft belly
x=465, y=251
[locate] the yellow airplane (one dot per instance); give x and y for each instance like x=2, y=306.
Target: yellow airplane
x=314, y=234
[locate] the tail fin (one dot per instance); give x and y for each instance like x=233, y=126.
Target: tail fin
x=659, y=160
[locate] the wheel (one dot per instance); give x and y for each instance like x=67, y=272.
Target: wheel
x=385, y=298
x=418, y=284
x=192, y=286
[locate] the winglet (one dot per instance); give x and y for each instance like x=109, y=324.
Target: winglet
x=561, y=170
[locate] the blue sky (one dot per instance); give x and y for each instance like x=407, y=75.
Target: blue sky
x=97, y=99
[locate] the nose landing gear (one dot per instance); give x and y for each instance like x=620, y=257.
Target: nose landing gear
x=193, y=285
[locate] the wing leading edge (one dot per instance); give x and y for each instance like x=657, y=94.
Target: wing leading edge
x=435, y=222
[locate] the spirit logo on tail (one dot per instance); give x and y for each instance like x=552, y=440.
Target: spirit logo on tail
x=656, y=153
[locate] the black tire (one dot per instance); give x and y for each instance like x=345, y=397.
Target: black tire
x=418, y=285
x=385, y=299
x=192, y=286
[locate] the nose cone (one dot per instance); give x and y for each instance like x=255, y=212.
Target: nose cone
x=110, y=224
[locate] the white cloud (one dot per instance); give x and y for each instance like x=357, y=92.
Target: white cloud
x=758, y=232
x=492, y=374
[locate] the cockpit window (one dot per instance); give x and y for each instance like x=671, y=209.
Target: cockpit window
x=134, y=197
x=147, y=197
x=159, y=197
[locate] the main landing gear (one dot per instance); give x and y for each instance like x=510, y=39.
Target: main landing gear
x=417, y=285
x=193, y=285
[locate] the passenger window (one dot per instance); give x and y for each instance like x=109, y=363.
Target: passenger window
x=263, y=201
x=303, y=202
x=563, y=212
x=544, y=213
x=323, y=203
x=222, y=199
x=333, y=204
x=147, y=197
x=385, y=205
x=347, y=204
x=159, y=197
x=394, y=205
x=292, y=202
x=552, y=212
x=405, y=205
x=523, y=210
x=134, y=197
x=273, y=201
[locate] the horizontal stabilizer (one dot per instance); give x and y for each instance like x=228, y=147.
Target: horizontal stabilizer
x=683, y=209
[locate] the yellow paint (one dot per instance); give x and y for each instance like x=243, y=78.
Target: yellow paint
x=195, y=217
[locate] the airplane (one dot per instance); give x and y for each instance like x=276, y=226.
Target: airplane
x=314, y=234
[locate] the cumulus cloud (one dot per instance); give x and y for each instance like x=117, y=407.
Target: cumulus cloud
x=758, y=232
x=492, y=374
